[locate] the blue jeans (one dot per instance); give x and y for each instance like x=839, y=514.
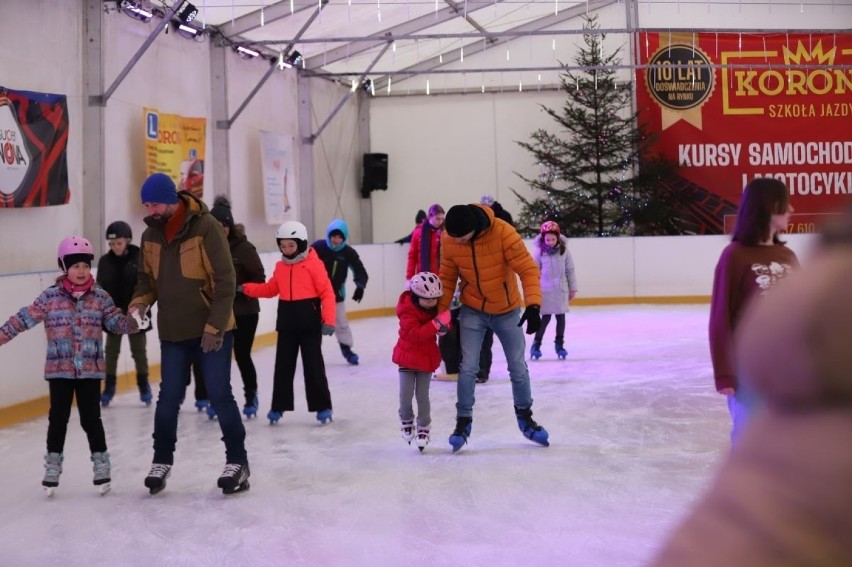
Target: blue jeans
x=176, y=359
x=472, y=327
x=742, y=406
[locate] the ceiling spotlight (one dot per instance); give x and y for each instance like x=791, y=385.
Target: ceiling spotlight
x=137, y=9
x=293, y=60
x=187, y=12
x=245, y=52
x=186, y=31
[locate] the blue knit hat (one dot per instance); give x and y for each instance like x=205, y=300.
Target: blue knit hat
x=159, y=188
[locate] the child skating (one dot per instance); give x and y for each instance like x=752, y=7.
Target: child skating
x=306, y=311
x=75, y=310
x=558, y=285
x=117, y=273
x=416, y=352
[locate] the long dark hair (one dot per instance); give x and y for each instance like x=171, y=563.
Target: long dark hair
x=762, y=198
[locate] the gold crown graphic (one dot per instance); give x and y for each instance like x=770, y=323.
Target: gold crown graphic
x=816, y=55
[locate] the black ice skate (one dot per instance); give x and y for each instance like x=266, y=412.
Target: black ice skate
x=156, y=479
x=234, y=479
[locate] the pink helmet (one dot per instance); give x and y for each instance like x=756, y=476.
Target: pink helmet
x=74, y=246
x=549, y=226
x=426, y=285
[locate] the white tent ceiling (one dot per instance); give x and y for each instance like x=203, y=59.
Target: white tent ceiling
x=456, y=44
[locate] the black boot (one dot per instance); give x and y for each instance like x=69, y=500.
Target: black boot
x=350, y=356
x=109, y=390
x=144, y=389
x=531, y=430
x=461, y=433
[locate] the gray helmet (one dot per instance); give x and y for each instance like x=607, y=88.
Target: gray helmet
x=118, y=229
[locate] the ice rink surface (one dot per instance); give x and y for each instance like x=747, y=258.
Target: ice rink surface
x=636, y=432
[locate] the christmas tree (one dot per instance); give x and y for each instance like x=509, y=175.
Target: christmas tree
x=600, y=179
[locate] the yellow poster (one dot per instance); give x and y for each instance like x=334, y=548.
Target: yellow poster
x=174, y=145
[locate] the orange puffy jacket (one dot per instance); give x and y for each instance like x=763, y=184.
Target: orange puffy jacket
x=487, y=266
x=304, y=280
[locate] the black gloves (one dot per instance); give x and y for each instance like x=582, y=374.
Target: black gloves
x=211, y=342
x=327, y=330
x=532, y=317
x=358, y=295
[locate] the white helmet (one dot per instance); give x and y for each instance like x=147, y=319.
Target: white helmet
x=292, y=230
x=426, y=285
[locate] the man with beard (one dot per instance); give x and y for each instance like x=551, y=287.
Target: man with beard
x=186, y=267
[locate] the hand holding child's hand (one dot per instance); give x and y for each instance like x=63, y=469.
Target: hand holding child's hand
x=143, y=321
x=442, y=323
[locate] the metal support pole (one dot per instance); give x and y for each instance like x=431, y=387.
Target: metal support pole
x=226, y=124
x=337, y=108
x=102, y=99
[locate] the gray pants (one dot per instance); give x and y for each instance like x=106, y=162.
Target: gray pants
x=341, y=326
x=413, y=383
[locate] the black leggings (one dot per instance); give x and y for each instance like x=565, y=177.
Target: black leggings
x=88, y=392
x=243, y=342
x=560, y=328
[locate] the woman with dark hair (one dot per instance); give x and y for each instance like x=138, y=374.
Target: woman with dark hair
x=750, y=266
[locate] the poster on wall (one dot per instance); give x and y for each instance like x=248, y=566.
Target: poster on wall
x=731, y=107
x=33, y=140
x=174, y=145
x=278, y=166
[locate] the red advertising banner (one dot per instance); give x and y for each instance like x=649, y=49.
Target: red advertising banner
x=33, y=140
x=730, y=107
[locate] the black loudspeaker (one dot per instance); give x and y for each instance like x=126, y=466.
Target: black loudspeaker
x=375, y=173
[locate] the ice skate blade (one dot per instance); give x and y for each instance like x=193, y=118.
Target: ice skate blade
x=421, y=448
x=156, y=490
x=104, y=488
x=49, y=490
x=243, y=487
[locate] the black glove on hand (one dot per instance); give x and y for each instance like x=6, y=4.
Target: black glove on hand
x=327, y=330
x=211, y=342
x=532, y=317
x=358, y=295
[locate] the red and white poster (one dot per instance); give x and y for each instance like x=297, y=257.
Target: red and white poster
x=33, y=140
x=730, y=107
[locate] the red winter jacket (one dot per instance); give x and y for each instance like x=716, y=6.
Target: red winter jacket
x=416, y=348
x=306, y=279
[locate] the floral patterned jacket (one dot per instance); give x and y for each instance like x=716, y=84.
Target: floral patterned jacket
x=74, y=329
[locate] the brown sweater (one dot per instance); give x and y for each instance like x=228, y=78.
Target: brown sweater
x=743, y=272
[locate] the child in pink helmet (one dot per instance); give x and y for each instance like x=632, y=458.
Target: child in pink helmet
x=75, y=310
x=558, y=285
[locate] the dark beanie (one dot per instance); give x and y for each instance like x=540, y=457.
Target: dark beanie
x=71, y=259
x=460, y=220
x=221, y=211
x=159, y=188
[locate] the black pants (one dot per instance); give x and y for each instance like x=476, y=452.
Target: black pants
x=560, y=328
x=62, y=392
x=450, y=347
x=298, y=327
x=243, y=342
